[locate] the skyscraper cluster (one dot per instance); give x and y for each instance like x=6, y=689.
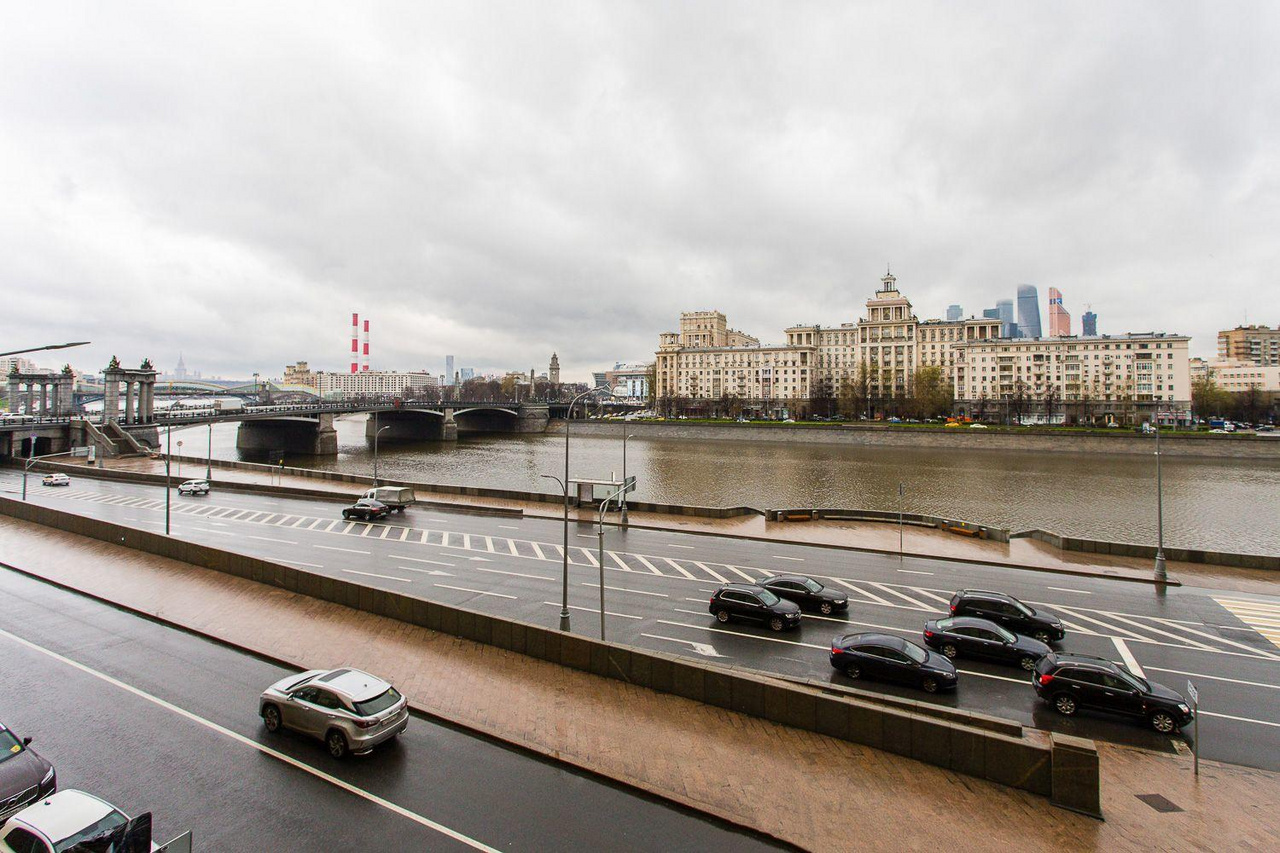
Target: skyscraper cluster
x=1027, y=324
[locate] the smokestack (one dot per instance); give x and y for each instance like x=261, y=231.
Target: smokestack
x=355, y=342
x=365, y=366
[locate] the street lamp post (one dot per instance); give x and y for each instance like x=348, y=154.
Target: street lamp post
x=179, y=459
x=208, y=463
x=1162, y=573
x=623, y=499
x=168, y=483
x=376, y=432
x=900, y=489
x=31, y=457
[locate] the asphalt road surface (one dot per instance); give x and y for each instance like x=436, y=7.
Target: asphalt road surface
x=155, y=719
x=658, y=585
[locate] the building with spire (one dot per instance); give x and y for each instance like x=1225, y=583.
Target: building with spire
x=553, y=372
x=180, y=372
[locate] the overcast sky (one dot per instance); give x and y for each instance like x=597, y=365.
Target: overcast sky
x=501, y=180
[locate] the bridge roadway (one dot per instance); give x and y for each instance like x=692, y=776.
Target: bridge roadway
x=155, y=719
x=658, y=584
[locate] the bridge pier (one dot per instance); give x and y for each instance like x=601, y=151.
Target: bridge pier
x=309, y=436
x=408, y=425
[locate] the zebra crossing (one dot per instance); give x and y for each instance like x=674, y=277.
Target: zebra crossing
x=1262, y=617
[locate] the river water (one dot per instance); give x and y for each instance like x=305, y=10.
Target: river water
x=1213, y=504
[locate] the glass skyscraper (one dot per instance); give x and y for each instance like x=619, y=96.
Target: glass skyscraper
x=1028, y=311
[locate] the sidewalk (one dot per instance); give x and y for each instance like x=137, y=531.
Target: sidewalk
x=814, y=791
x=917, y=541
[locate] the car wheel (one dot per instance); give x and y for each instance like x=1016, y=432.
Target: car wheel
x=271, y=718
x=930, y=685
x=853, y=671
x=950, y=650
x=1043, y=636
x=1027, y=663
x=1064, y=704
x=722, y=615
x=1162, y=721
x=776, y=624
x=826, y=608
x=336, y=742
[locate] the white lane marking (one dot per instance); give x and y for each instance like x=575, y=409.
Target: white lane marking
x=538, y=551
x=699, y=600
x=1064, y=589
x=331, y=525
x=780, y=557
x=674, y=545
x=740, y=634
x=1130, y=662
x=740, y=573
x=476, y=591
x=435, y=572
x=593, y=610
x=314, y=522
x=1109, y=627
x=301, y=519
x=508, y=527
x=268, y=539
x=709, y=571
x=591, y=558
x=1240, y=719
x=207, y=530
x=914, y=572
x=875, y=598
x=511, y=546
x=703, y=649
x=1216, y=677
x=1180, y=638
x=919, y=605
x=488, y=544
x=928, y=594
x=367, y=529
x=517, y=574
x=265, y=750
x=334, y=548
x=680, y=569
x=375, y=575
x=300, y=563
x=1253, y=651
x=420, y=560
x=619, y=561
x=585, y=535
x=650, y=566
x=625, y=589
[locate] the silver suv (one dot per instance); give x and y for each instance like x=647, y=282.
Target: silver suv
x=350, y=710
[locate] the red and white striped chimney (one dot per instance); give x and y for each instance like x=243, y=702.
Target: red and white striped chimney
x=355, y=342
x=365, y=366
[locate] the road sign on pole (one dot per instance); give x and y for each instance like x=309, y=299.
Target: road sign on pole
x=1195, y=709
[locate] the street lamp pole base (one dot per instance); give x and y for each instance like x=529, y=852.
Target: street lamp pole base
x=564, y=621
x=1162, y=574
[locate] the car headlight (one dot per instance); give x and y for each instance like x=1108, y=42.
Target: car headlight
x=1184, y=708
x=48, y=777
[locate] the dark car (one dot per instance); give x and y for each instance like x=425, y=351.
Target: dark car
x=980, y=638
x=889, y=658
x=1072, y=682
x=367, y=509
x=1008, y=612
x=25, y=777
x=806, y=592
x=753, y=602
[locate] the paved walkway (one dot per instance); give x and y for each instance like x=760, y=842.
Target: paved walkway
x=814, y=791
x=917, y=541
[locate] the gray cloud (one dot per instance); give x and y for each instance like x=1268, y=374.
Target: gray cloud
x=498, y=181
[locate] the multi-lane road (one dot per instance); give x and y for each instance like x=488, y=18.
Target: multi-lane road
x=657, y=586
x=155, y=719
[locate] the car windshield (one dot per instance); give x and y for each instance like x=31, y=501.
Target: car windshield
x=112, y=820
x=299, y=683
x=914, y=652
x=1007, y=636
x=9, y=745
x=1135, y=681
x=1027, y=611
x=812, y=585
x=377, y=704
x=768, y=598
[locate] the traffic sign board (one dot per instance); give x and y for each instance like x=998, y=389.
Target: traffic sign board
x=1192, y=692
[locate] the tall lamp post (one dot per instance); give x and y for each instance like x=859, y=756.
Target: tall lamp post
x=900, y=490
x=623, y=499
x=1162, y=574
x=168, y=483
x=208, y=462
x=376, y=432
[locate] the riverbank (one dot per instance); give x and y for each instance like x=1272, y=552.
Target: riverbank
x=1125, y=442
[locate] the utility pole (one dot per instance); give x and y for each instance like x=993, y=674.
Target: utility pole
x=1162, y=573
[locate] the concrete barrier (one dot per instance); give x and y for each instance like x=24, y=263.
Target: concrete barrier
x=1019, y=761
x=997, y=534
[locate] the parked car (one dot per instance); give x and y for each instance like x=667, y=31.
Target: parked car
x=977, y=426
x=1009, y=613
x=194, y=487
x=806, y=592
x=1071, y=682
x=366, y=509
x=350, y=710
x=55, y=480
x=755, y=603
x=395, y=497
x=888, y=658
x=25, y=777
x=63, y=821
x=981, y=638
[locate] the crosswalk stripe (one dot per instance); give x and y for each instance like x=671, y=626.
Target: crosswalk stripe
x=740, y=573
x=1258, y=615
x=913, y=602
x=709, y=571
x=650, y=566
x=861, y=591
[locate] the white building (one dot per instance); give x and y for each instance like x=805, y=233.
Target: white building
x=1237, y=376
x=338, y=385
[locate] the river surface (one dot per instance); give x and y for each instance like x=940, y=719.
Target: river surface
x=1212, y=504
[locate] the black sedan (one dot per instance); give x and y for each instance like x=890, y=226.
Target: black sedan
x=367, y=509
x=807, y=593
x=754, y=603
x=888, y=658
x=25, y=777
x=981, y=638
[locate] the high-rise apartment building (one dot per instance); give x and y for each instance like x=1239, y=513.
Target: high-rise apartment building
x=1088, y=324
x=954, y=312
x=1059, y=319
x=449, y=375
x=1008, y=326
x=1257, y=344
x=1028, y=311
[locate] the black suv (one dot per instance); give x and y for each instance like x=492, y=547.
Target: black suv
x=1071, y=682
x=749, y=601
x=1008, y=612
x=25, y=777
x=806, y=592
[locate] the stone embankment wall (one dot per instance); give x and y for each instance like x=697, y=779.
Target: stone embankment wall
x=961, y=438
x=1065, y=769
